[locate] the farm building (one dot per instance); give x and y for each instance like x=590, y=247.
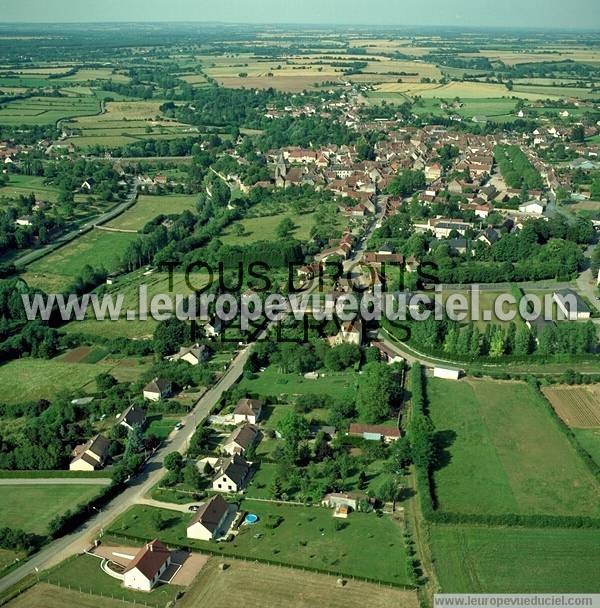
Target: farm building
x=374, y=432
x=447, y=373
x=571, y=305
x=212, y=520
x=147, y=566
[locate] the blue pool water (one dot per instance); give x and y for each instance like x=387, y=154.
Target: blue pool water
x=251, y=518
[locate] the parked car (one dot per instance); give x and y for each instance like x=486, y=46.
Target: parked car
x=193, y=508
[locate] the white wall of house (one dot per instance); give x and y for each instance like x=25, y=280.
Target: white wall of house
x=198, y=532
x=151, y=396
x=239, y=418
x=81, y=465
x=134, y=579
x=224, y=484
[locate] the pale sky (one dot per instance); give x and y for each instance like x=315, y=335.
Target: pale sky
x=583, y=14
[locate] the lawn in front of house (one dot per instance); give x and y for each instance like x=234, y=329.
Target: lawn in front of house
x=84, y=572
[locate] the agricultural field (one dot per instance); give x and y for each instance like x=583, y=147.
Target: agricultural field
x=255, y=585
x=32, y=507
x=155, y=283
x=148, y=207
x=30, y=379
x=46, y=110
x=125, y=122
x=367, y=545
x=578, y=406
x=516, y=560
x=44, y=595
x=503, y=453
x=57, y=270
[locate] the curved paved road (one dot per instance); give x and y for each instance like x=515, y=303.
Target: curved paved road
x=36, y=254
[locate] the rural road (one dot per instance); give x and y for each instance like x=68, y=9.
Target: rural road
x=36, y=254
x=79, y=540
x=56, y=481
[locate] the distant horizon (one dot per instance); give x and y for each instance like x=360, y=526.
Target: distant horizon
x=296, y=24
x=510, y=14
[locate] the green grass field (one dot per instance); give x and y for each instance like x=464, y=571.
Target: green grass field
x=23, y=185
x=83, y=572
x=121, y=328
x=161, y=426
x=272, y=382
x=32, y=507
x=504, y=453
x=368, y=546
x=149, y=207
x=265, y=228
x=46, y=110
x=31, y=379
x=589, y=439
x=96, y=248
x=518, y=560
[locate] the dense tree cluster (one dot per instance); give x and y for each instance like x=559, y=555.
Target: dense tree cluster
x=516, y=169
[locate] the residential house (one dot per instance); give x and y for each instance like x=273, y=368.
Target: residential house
x=158, y=389
x=213, y=328
x=248, y=410
x=133, y=416
x=532, y=207
x=91, y=455
x=193, y=355
x=488, y=236
x=212, y=519
x=571, y=305
x=386, y=353
x=88, y=184
x=231, y=474
x=146, y=568
x=351, y=332
x=241, y=440
x=433, y=172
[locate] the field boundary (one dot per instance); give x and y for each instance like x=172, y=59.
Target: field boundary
x=119, y=536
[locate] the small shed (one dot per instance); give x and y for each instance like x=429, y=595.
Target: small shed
x=447, y=373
